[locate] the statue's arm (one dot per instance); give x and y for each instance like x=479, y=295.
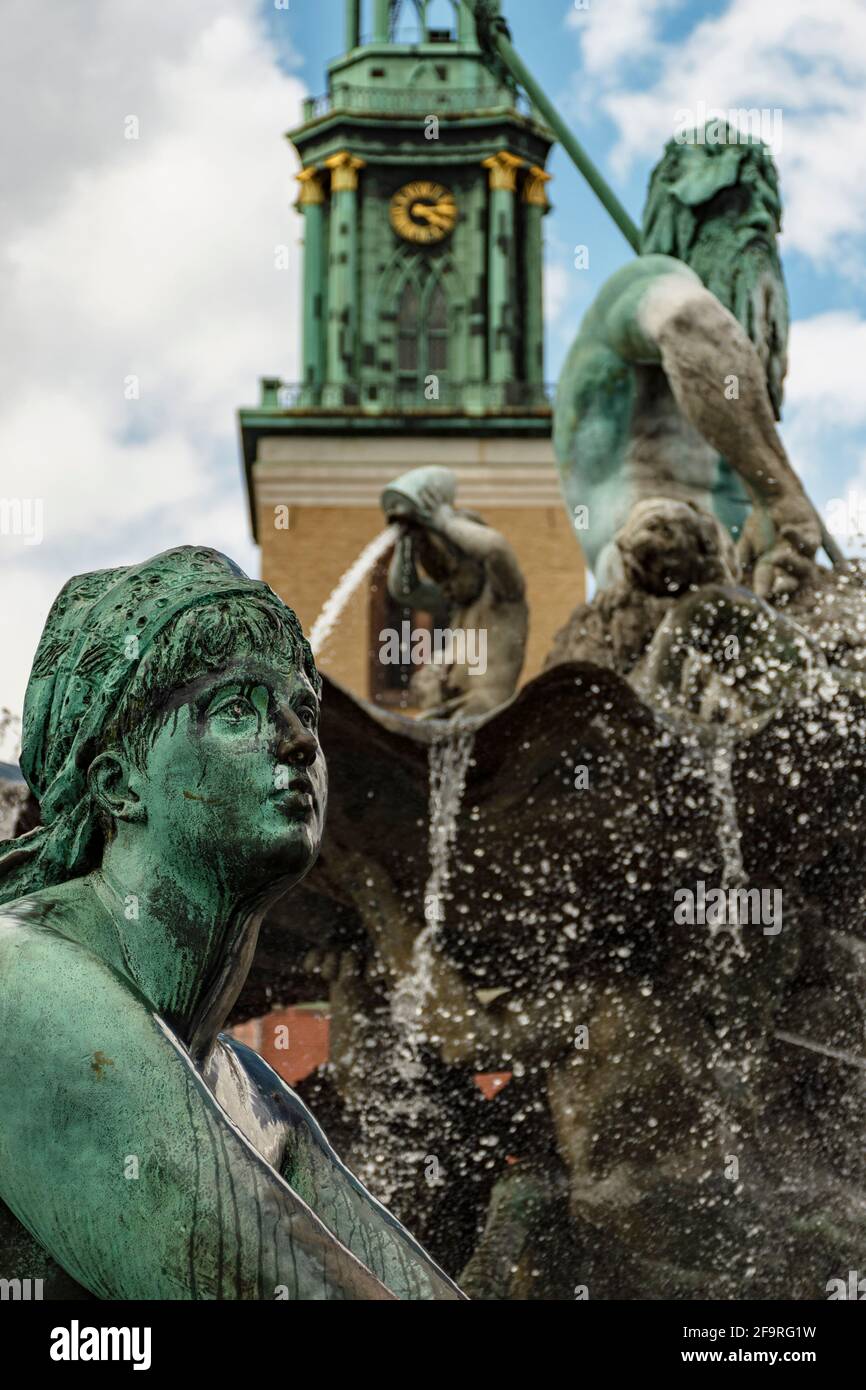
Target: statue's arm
x=490, y=546
x=406, y=586
x=119, y=1160
x=666, y=315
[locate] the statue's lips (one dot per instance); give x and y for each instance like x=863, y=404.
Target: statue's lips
x=297, y=800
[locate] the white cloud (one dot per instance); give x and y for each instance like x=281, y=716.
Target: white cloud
x=825, y=406
x=611, y=33
x=152, y=257
x=808, y=61
x=558, y=293
x=827, y=354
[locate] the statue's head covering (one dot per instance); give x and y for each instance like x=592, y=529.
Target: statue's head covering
x=97, y=633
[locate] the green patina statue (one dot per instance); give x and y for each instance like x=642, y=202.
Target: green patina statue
x=672, y=385
x=170, y=735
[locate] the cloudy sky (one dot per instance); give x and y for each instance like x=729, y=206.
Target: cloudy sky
x=139, y=281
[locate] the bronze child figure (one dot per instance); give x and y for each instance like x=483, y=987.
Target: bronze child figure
x=170, y=736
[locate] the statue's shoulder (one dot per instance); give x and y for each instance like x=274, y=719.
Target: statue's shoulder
x=623, y=290
x=44, y=963
x=612, y=334
x=24, y=920
x=42, y=919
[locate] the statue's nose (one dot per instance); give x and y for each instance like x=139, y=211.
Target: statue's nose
x=298, y=745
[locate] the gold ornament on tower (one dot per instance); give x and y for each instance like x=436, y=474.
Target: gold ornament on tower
x=423, y=212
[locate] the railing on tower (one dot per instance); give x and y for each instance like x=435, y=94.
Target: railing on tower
x=417, y=101
x=439, y=397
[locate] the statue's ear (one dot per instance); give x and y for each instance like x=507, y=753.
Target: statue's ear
x=111, y=779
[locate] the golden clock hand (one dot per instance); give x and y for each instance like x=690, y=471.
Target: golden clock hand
x=429, y=214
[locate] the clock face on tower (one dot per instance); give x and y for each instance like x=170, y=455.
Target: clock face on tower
x=423, y=212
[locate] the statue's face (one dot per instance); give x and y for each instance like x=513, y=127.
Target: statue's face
x=460, y=576
x=235, y=778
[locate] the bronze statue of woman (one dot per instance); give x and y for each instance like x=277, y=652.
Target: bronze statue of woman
x=170, y=736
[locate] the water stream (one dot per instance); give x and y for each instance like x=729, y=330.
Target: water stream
x=346, y=586
x=403, y=1121
x=730, y=835
x=449, y=758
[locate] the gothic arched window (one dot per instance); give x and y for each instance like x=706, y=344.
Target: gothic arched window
x=422, y=331
x=411, y=27
x=408, y=314
x=440, y=16
x=413, y=20
x=437, y=329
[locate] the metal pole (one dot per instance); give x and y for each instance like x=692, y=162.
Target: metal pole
x=495, y=32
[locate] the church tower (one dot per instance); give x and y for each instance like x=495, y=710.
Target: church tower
x=423, y=190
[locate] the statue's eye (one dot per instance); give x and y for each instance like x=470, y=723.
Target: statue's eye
x=235, y=709
x=307, y=716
